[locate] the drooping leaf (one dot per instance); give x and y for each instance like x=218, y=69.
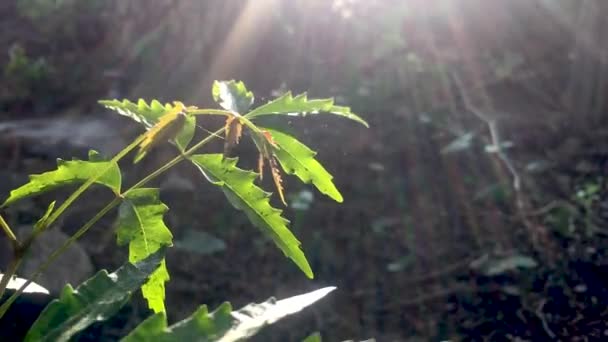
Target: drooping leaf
x=97, y=299
x=297, y=159
x=232, y=96
x=223, y=324
x=301, y=106
x=40, y=224
x=276, y=177
x=165, y=129
x=140, y=224
x=149, y=115
x=69, y=173
x=234, y=130
x=239, y=187
x=461, y=143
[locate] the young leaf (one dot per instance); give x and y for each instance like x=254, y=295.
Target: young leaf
x=223, y=324
x=41, y=223
x=276, y=177
x=140, y=224
x=165, y=129
x=297, y=159
x=232, y=96
x=234, y=130
x=301, y=106
x=97, y=299
x=150, y=114
x=240, y=190
x=69, y=173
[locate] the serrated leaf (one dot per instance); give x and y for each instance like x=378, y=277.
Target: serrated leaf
x=239, y=187
x=300, y=105
x=97, y=299
x=140, y=224
x=70, y=173
x=149, y=115
x=297, y=159
x=223, y=324
x=232, y=96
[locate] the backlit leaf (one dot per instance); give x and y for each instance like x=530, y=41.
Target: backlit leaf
x=149, y=114
x=239, y=187
x=97, y=299
x=297, y=159
x=223, y=324
x=165, y=129
x=140, y=224
x=234, y=130
x=301, y=106
x=276, y=177
x=69, y=173
x=232, y=96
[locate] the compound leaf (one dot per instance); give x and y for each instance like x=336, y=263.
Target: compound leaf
x=297, y=159
x=301, y=106
x=69, y=173
x=150, y=114
x=97, y=299
x=232, y=96
x=244, y=195
x=140, y=224
x=223, y=324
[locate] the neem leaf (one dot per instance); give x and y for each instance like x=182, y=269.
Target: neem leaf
x=297, y=159
x=301, y=106
x=150, y=114
x=223, y=324
x=69, y=173
x=232, y=96
x=165, y=129
x=140, y=224
x=240, y=190
x=97, y=299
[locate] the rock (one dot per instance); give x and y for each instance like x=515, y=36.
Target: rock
x=73, y=266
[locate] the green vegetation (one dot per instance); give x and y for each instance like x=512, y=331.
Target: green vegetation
x=140, y=223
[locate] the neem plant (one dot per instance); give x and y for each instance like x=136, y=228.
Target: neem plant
x=140, y=215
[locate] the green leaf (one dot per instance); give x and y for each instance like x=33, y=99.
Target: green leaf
x=41, y=223
x=97, y=299
x=297, y=159
x=223, y=324
x=232, y=96
x=149, y=114
x=244, y=195
x=314, y=337
x=301, y=106
x=140, y=224
x=70, y=173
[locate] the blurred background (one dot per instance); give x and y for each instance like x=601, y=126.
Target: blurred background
x=475, y=205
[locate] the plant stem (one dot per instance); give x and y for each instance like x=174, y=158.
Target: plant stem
x=57, y=252
x=8, y=231
x=10, y=272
